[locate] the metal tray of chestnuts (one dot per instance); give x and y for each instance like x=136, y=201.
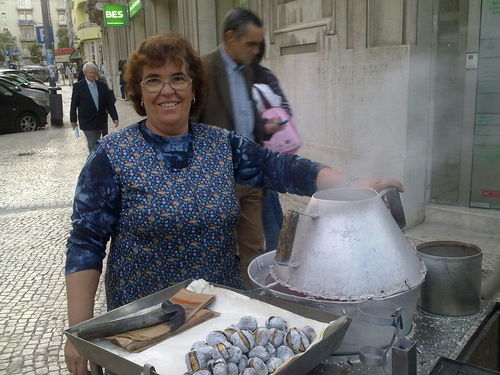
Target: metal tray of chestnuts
x=101, y=356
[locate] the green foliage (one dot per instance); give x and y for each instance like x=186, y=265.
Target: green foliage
x=35, y=52
x=62, y=35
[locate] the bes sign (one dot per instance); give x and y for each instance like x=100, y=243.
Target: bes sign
x=115, y=15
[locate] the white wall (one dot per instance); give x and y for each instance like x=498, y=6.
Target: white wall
x=361, y=109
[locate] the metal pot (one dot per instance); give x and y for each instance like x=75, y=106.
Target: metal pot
x=346, y=249
x=358, y=333
x=452, y=286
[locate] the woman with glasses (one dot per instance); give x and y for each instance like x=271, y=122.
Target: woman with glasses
x=163, y=190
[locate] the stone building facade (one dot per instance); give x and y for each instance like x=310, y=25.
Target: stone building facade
x=378, y=87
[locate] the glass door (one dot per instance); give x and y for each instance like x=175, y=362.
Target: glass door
x=449, y=95
x=485, y=187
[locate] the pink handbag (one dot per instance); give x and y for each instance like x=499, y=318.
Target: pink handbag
x=287, y=140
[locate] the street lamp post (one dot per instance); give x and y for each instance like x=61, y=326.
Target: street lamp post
x=56, y=110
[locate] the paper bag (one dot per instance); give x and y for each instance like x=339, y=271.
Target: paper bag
x=140, y=339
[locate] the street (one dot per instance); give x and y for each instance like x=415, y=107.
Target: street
x=38, y=173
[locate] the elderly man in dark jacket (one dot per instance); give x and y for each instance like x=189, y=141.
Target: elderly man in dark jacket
x=93, y=102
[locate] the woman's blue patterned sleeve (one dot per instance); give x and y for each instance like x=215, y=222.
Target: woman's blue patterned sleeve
x=260, y=167
x=96, y=209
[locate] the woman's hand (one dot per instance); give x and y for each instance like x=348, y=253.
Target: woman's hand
x=77, y=365
x=81, y=287
x=377, y=184
x=272, y=125
x=329, y=178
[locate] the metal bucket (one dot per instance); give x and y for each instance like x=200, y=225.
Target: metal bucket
x=452, y=285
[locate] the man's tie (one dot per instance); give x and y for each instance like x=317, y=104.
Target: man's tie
x=95, y=95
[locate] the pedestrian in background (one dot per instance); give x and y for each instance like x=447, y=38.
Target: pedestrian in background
x=70, y=74
x=228, y=104
x=92, y=101
x=121, y=71
x=80, y=75
x=272, y=214
x=62, y=74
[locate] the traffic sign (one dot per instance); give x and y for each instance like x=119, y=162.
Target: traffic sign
x=40, y=34
x=6, y=52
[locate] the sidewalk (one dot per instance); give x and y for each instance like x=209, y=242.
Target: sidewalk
x=39, y=173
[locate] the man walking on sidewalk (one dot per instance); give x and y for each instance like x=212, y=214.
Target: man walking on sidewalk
x=70, y=73
x=228, y=104
x=93, y=103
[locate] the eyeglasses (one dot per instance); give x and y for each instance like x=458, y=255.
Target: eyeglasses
x=154, y=85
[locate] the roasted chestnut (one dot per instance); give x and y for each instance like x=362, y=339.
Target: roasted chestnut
x=276, y=337
x=195, y=361
x=223, y=350
x=262, y=336
x=276, y=322
x=273, y=363
x=216, y=337
x=243, y=340
x=296, y=340
x=232, y=369
x=248, y=323
x=204, y=348
x=284, y=353
x=259, y=352
x=309, y=332
x=219, y=367
x=259, y=365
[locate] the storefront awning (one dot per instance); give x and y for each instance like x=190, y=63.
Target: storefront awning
x=75, y=55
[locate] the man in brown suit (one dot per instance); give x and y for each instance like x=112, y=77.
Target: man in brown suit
x=228, y=104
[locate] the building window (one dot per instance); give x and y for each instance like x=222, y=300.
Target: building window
x=24, y=4
x=92, y=48
x=5, y=29
x=3, y=17
x=62, y=19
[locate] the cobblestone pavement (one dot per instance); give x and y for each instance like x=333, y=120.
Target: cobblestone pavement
x=38, y=173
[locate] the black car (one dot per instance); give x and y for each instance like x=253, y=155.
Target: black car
x=21, y=73
x=19, y=113
x=21, y=81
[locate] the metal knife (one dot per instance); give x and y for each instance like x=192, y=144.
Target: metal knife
x=173, y=314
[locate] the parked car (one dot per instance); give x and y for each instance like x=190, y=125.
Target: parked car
x=37, y=71
x=39, y=97
x=20, y=81
x=21, y=73
x=19, y=112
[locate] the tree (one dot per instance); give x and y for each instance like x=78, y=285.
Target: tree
x=7, y=41
x=63, y=38
x=35, y=52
